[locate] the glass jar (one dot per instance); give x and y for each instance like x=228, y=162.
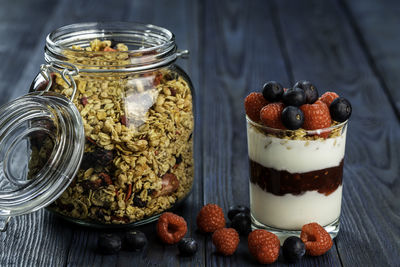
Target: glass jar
x=137, y=118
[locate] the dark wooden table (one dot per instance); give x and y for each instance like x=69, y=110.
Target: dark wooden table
x=352, y=47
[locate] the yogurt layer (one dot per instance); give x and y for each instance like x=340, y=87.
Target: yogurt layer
x=294, y=156
x=291, y=212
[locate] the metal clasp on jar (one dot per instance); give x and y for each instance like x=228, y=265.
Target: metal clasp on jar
x=65, y=70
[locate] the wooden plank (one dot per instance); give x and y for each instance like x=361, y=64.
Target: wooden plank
x=18, y=38
x=322, y=48
x=376, y=25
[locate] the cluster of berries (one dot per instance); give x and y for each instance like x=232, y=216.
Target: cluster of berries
x=263, y=245
x=112, y=243
x=297, y=107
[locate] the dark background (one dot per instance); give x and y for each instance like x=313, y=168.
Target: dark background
x=351, y=47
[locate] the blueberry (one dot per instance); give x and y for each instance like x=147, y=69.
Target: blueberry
x=294, y=97
x=233, y=210
x=187, y=246
x=242, y=223
x=292, y=117
x=109, y=243
x=134, y=240
x=340, y=109
x=293, y=249
x=309, y=89
x=272, y=91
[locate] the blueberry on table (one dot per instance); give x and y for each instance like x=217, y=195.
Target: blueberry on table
x=241, y=223
x=293, y=249
x=134, y=240
x=233, y=210
x=294, y=97
x=109, y=244
x=187, y=246
x=292, y=117
x=340, y=109
x=272, y=91
x=309, y=89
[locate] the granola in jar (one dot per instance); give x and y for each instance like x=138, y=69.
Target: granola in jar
x=138, y=157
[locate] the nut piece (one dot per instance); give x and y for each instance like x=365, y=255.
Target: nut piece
x=169, y=185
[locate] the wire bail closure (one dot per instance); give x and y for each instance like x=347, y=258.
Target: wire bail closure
x=58, y=67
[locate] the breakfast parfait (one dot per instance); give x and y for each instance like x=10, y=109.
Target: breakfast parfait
x=296, y=144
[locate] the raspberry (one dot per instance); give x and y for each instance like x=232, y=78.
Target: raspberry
x=328, y=97
x=210, y=218
x=226, y=240
x=316, y=239
x=316, y=116
x=271, y=115
x=171, y=228
x=264, y=246
x=253, y=103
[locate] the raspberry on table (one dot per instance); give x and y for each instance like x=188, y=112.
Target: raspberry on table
x=171, y=228
x=210, y=218
x=253, y=103
x=328, y=98
x=226, y=240
x=316, y=238
x=316, y=116
x=264, y=246
x=271, y=115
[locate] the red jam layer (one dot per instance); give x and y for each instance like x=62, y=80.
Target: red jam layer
x=325, y=181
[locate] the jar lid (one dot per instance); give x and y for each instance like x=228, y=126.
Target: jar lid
x=41, y=147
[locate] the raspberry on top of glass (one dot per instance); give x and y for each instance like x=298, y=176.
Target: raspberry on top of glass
x=297, y=107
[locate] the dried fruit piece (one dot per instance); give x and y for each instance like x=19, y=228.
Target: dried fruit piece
x=271, y=115
x=316, y=238
x=226, y=241
x=253, y=104
x=171, y=228
x=102, y=156
x=210, y=218
x=84, y=101
x=109, y=49
x=129, y=193
x=328, y=98
x=105, y=178
x=264, y=246
x=123, y=120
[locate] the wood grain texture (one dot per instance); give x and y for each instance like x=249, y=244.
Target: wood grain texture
x=235, y=47
x=376, y=25
x=18, y=38
x=323, y=38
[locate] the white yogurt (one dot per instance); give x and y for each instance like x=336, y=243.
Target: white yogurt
x=294, y=156
x=291, y=212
